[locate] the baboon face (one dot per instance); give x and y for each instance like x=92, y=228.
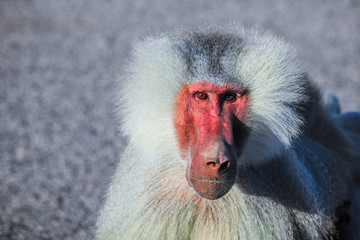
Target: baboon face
x=210, y=134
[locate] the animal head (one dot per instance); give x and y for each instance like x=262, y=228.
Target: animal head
x=213, y=102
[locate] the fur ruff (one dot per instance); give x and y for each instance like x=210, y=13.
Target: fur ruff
x=281, y=192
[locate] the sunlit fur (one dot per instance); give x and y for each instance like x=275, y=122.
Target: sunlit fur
x=296, y=168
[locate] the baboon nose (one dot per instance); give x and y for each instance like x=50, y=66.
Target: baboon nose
x=218, y=165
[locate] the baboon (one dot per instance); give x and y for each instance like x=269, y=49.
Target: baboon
x=229, y=139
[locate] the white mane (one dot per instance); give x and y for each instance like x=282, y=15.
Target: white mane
x=149, y=197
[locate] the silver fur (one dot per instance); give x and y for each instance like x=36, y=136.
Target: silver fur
x=298, y=169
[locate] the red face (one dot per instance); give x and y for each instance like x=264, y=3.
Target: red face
x=208, y=122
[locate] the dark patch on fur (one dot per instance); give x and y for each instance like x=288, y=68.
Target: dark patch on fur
x=298, y=232
x=209, y=48
x=350, y=121
x=317, y=122
x=240, y=133
x=190, y=54
x=277, y=180
x=342, y=221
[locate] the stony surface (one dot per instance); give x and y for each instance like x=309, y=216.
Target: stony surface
x=59, y=142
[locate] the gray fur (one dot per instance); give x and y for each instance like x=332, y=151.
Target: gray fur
x=298, y=173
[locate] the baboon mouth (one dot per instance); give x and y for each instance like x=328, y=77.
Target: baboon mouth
x=211, y=189
x=207, y=180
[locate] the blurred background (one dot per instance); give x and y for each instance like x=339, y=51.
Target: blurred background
x=59, y=61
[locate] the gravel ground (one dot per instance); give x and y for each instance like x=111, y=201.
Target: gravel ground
x=59, y=60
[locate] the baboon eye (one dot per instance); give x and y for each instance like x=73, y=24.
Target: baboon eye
x=230, y=97
x=201, y=95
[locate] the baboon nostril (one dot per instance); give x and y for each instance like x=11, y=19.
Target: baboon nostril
x=212, y=164
x=219, y=167
x=224, y=166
